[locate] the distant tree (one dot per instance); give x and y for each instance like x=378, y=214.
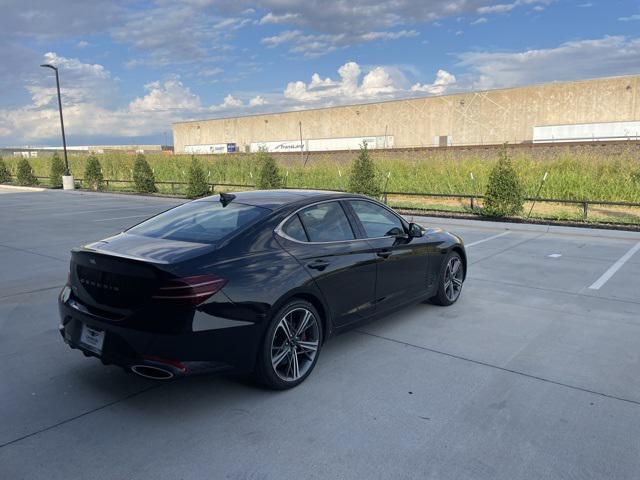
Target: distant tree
x=5, y=176
x=269, y=177
x=198, y=186
x=143, y=177
x=25, y=174
x=505, y=194
x=93, y=177
x=362, y=178
x=56, y=171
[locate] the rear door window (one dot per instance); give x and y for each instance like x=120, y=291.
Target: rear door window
x=326, y=222
x=200, y=222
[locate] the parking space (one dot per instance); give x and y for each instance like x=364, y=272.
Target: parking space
x=532, y=374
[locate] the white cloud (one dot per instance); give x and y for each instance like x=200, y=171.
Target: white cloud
x=80, y=81
x=379, y=83
x=630, y=18
x=499, y=8
x=167, y=96
x=257, y=101
x=282, y=37
x=443, y=81
x=372, y=36
x=607, y=56
x=479, y=21
x=312, y=46
x=284, y=18
x=507, y=7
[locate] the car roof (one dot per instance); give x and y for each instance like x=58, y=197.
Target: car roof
x=274, y=199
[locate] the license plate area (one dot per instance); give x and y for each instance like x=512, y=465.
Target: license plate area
x=92, y=339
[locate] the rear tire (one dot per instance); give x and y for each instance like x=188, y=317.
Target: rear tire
x=450, y=280
x=291, y=346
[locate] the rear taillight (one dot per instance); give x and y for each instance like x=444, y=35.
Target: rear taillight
x=190, y=290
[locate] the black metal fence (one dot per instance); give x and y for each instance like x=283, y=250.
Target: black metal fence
x=175, y=187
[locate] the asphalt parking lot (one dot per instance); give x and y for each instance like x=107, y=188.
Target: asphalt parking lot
x=534, y=373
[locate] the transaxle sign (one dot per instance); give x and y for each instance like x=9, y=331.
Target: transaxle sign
x=324, y=144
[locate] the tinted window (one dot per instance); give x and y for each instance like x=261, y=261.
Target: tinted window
x=376, y=220
x=202, y=222
x=326, y=222
x=293, y=228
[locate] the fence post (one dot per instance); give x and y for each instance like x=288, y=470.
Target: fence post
x=173, y=188
x=585, y=210
x=473, y=204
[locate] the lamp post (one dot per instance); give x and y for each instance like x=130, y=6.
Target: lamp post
x=67, y=178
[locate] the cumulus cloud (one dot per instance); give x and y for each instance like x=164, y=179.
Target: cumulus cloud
x=379, y=83
x=82, y=82
x=167, y=96
x=86, y=114
x=257, y=101
x=443, y=81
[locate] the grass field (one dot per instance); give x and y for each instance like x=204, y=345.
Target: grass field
x=571, y=175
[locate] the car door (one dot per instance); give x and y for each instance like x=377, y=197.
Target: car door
x=402, y=261
x=323, y=240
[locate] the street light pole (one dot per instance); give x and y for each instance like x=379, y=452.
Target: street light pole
x=64, y=140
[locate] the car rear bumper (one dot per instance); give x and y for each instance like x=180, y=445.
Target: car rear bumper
x=216, y=350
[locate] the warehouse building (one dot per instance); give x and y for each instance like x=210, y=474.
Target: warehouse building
x=605, y=109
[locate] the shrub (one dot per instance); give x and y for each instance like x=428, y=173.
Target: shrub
x=635, y=175
x=5, y=176
x=56, y=171
x=93, y=178
x=269, y=177
x=198, y=186
x=143, y=177
x=505, y=194
x=25, y=174
x=362, y=178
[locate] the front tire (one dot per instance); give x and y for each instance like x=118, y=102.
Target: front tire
x=450, y=280
x=290, y=347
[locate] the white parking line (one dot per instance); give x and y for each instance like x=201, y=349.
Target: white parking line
x=614, y=268
x=121, y=218
x=487, y=239
x=132, y=207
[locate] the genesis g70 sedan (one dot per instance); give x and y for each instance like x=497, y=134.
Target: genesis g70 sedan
x=251, y=282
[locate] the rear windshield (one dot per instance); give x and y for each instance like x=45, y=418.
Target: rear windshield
x=200, y=222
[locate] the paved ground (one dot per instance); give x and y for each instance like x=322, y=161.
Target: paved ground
x=532, y=374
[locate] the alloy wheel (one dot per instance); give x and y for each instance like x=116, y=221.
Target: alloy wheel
x=453, y=278
x=294, y=345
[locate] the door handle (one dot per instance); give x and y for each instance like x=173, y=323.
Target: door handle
x=384, y=253
x=318, y=264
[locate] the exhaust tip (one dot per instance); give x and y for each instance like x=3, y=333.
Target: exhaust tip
x=154, y=373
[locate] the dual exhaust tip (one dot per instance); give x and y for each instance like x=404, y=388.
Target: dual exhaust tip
x=152, y=372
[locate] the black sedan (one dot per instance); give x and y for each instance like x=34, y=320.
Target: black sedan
x=251, y=282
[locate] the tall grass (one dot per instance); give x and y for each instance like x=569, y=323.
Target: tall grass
x=584, y=174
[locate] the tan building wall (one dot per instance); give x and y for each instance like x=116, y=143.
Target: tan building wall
x=476, y=118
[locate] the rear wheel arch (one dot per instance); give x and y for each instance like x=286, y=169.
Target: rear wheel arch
x=314, y=300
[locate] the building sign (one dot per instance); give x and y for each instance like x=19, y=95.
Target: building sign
x=324, y=144
x=208, y=149
x=587, y=132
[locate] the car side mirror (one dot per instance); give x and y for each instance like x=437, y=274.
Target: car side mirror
x=415, y=230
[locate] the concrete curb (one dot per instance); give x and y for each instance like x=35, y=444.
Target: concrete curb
x=17, y=188
x=527, y=227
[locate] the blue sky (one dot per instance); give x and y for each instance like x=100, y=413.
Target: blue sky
x=131, y=68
